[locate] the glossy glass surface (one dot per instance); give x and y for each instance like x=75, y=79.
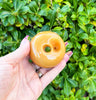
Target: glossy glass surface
x=47, y=39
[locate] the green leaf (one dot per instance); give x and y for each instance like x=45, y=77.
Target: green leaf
x=45, y=28
x=33, y=6
x=17, y=4
x=43, y=12
x=92, y=69
x=33, y=18
x=0, y=45
x=75, y=3
x=83, y=27
x=75, y=54
x=83, y=74
x=56, y=6
x=24, y=10
x=73, y=83
x=72, y=67
x=93, y=49
x=81, y=65
x=72, y=98
x=67, y=3
x=78, y=93
x=38, y=24
x=83, y=35
x=92, y=40
x=65, y=37
x=80, y=9
x=65, y=75
x=85, y=98
x=10, y=28
x=52, y=17
x=83, y=20
x=83, y=58
x=6, y=6
x=29, y=32
x=5, y=21
x=51, y=89
x=67, y=88
x=58, y=28
x=11, y=19
x=4, y=14
x=65, y=9
x=41, y=20
x=45, y=98
x=7, y=43
x=15, y=34
x=20, y=19
x=74, y=16
x=78, y=45
x=92, y=11
x=84, y=82
x=92, y=87
x=9, y=38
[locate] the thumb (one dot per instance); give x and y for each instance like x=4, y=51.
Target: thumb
x=19, y=54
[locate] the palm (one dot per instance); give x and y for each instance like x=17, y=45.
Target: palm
x=21, y=80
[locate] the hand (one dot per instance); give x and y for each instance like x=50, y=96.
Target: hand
x=18, y=78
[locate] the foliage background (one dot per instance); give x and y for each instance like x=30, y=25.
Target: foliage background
x=75, y=22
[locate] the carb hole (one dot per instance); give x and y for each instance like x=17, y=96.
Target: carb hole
x=57, y=48
x=55, y=44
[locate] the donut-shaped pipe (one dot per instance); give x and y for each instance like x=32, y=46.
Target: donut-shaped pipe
x=38, y=45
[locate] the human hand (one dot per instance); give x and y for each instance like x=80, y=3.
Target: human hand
x=19, y=79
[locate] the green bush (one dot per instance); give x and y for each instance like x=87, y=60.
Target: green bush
x=75, y=22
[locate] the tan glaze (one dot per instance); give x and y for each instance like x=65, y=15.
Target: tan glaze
x=37, y=49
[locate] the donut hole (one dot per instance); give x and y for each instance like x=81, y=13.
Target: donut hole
x=55, y=44
x=47, y=48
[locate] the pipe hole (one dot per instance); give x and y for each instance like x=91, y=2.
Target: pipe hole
x=47, y=48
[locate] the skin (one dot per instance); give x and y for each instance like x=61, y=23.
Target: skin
x=18, y=78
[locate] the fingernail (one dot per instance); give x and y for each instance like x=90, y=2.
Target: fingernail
x=26, y=37
x=66, y=43
x=70, y=53
x=66, y=58
x=24, y=40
